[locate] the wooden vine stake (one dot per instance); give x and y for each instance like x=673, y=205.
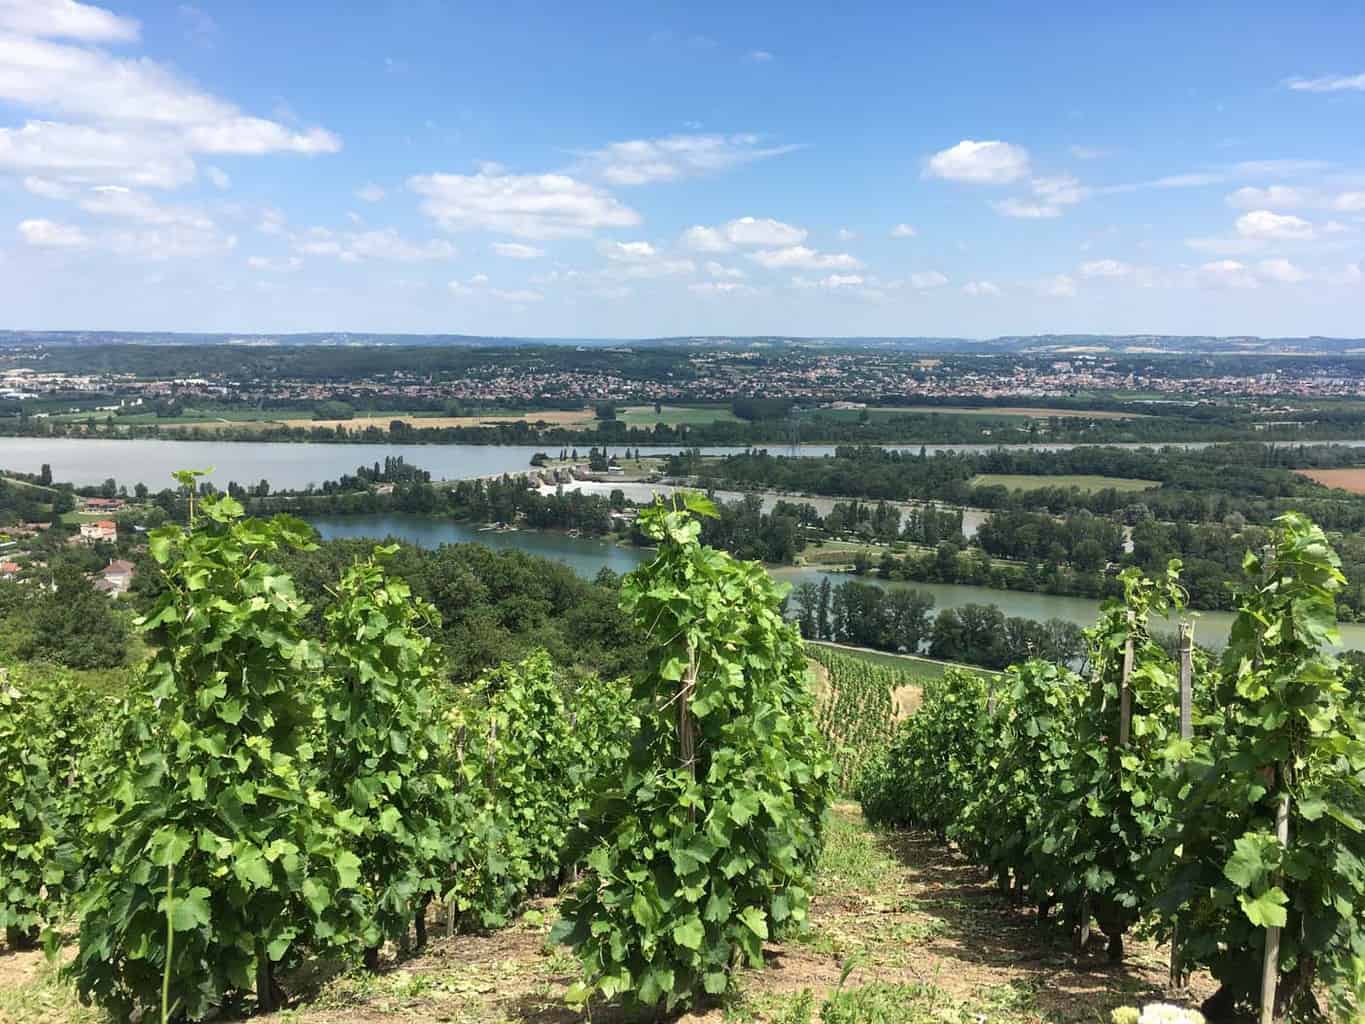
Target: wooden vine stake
x=1270, y=967
x=1177, y=977
x=687, y=734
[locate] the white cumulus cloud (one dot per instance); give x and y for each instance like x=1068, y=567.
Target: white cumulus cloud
x=979, y=289
x=370, y=193
x=645, y=161
x=929, y=279
x=1275, y=227
x=47, y=234
x=66, y=19
x=1105, y=268
x=980, y=163
x=535, y=206
x=803, y=258
x=903, y=231
x=1281, y=270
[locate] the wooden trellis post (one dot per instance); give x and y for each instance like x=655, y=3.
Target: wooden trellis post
x=1177, y=976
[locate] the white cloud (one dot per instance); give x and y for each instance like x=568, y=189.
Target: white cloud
x=1226, y=274
x=98, y=119
x=167, y=242
x=1062, y=190
x=1350, y=202
x=1263, y=224
x=271, y=223
x=283, y=266
x=1349, y=275
x=83, y=154
x=980, y=163
x=47, y=234
x=831, y=282
x=1280, y=196
x=391, y=247
x=645, y=161
x=903, y=231
x=517, y=251
x=479, y=284
x=763, y=231
x=1281, y=270
x=1060, y=286
x=653, y=268
x=1329, y=83
x=927, y=280
x=760, y=56
x=370, y=193
x=1246, y=169
x=536, y=206
x=218, y=177
x=800, y=257
x=385, y=245
x=699, y=238
x=845, y=234
x=1105, y=268
x=981, y=288
x=719, y=270
x=1226, y=246
x=628, y=252
x=1023, y=209
x=65, y=19
x=46, y=189
x=140, y=95
x=720, y=288
x=121, y=202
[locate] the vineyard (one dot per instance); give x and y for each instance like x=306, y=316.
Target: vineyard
x=262, y=798
x=858, y=708
x=1217, y=807
x=282, y=806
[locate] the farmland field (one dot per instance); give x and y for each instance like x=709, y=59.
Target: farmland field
x=1085, y=482
x=1352, y=480
x=381, y=420
x=1020, y=412
x=675, y=415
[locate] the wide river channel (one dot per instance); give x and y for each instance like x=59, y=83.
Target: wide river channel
x=296, y=465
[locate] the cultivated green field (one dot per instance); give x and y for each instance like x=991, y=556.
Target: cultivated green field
x=675, y=415
x=1085, y=482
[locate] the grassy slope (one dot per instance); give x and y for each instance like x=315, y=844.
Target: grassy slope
x=926, y=938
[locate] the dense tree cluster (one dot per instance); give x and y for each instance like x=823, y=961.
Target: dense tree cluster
x=901, y=619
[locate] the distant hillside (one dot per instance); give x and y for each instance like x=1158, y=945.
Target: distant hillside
x=1061, y=344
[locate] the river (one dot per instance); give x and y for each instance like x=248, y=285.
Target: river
x=586, y=556
x=642, y=493
x=86, y=461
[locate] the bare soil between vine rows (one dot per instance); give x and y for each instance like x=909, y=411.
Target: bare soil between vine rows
x=901, y=911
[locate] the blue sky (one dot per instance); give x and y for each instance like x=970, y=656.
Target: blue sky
x=598, y=169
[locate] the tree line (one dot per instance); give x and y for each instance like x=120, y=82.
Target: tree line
x=902, y=620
